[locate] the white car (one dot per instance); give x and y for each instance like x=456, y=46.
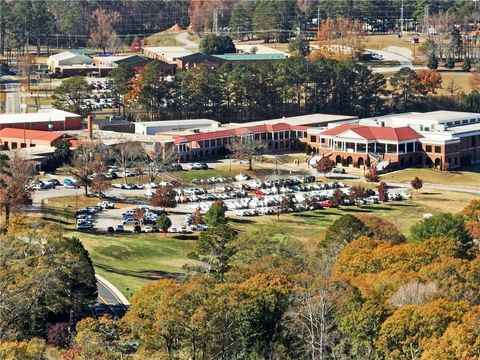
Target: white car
x=173, y=229
x=148, y=229
x=106, y=205
x=242, y=177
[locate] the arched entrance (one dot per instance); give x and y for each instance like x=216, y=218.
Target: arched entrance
x=338, y=159
x=438, y=163
x=349, y=160
x=360, y=161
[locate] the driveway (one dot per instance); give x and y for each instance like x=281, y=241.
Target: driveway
x=182, y=38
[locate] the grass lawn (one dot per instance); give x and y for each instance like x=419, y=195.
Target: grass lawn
x=309, y=226
x=220, y=171
x=164, y=38
x=383, y=41
x=461, y=79
x=469, y=176
x=131, y=260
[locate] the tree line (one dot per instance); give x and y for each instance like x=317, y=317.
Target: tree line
x=361, y=292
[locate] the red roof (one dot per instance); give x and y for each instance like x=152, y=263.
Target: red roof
x=30, y=134
x=236, y=132
x=376, y=132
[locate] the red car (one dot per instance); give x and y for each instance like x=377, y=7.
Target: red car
x=325, y=204
x=259, y=192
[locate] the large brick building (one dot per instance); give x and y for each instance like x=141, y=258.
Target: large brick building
x=441, y=139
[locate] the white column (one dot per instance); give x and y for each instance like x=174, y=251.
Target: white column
x=375, y=147
x=355, y=147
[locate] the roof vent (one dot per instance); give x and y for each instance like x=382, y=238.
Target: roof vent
x=196, y=131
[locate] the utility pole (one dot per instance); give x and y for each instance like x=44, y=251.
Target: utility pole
x=425, y=18
x=318, y=23
x=401, y=20
x=215, y=21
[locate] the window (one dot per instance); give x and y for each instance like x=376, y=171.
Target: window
x=207, y=143
x=323, y=140
x=449, y=123
x=264, y=136
x=438, y=149
x=212, y=143
x=287, y=134
x=313, y=138
x=428, y=148
x=281, y=135
x=14, y=145
x=457, y=122
x=465, y=121
x=23, y=145
x=473, y=120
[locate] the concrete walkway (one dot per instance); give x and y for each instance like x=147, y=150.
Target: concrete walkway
x=182, y=38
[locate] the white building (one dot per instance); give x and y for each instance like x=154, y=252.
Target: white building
x=154, y=127
x=67, y=58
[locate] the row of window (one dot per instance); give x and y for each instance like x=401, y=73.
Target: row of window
x=437, y=149
x=462, y=122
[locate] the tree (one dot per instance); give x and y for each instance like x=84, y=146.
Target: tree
x=217, y=44
x=357, y=192
x=156, y=159
x=452, y=88
x=124, y=153
x=71, y=94
x=215, y=247
x=404, y=333
x=165, y=197
x=443, y=225
x=372, y=175
x=430, y=81
x=102, y=34
x=15, y=192
x=299, y=46
x=63, y=154
x=344, y=230
x=98, y=181
x=34, y=297
x=337, y=199
x=197, y=218
x=215, y=215
x=135, y=45
x=246, y=148
x=153, y=91
x=325, y=165
x=406, y=82
x=120, y=78
x=416, y=183
x=382, y=192
x=467, y=65
x=26, y=65
x=84, y=161
x=432, y=62
x=164, y=222
x=450, y=63
x=286, y=204
x=58, y=335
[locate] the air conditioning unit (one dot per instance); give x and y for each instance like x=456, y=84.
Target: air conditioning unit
x=196, y=131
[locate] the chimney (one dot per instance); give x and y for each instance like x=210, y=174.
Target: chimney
x=90, y=126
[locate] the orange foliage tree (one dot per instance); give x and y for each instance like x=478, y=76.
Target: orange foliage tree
x=430, y=80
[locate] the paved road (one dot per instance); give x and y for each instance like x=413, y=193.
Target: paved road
x=108, y=301
x=185, y=42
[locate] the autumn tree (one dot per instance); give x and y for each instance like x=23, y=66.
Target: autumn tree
x=15, y=192
x=382, y=191
x=337, y=198
x=325, y=165
x=372, y=175
x=165, y=197
x=197, y=218
x=246, y=148
x=416, y=183
x=357, y=192
x=430, y=81
x=156, y=159
x=135, y=45
x=34, y=297
x=103, y=34
x=443, y=225
x=215, y=247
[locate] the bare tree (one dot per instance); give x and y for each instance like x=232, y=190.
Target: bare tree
x=99, y=182
x=103, y=34
x=124, y=154
x=83, y=164
x=453, y=88
x=246, y=148
x=156, y=159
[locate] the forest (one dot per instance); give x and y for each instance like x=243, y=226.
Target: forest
x=362, y=290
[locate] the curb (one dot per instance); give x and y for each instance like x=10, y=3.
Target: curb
x=113, y=289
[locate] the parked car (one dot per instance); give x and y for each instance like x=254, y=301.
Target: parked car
x=119, y=228
x=110, y=229
x=137, y=229
x=84, y=226
x=132, y=221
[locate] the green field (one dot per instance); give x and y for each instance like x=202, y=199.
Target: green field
x=164, y=38
x=131, y=260
x=467, y=177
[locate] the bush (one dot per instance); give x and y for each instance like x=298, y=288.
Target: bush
x=432, y=62
x=450, y=63
x=467, y=65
